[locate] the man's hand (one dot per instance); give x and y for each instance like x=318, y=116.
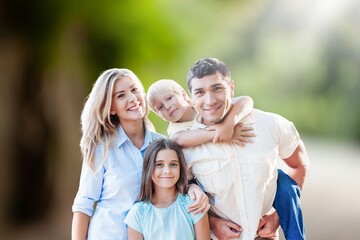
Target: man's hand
x=269, y=225
x=224, y=229
x=201, y=200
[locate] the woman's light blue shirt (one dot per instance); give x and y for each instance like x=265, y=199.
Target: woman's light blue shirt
x=113, y=188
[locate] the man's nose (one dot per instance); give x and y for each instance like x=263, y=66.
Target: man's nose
x=210, y=99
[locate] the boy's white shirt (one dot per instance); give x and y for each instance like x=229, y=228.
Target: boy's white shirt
x=178, y=127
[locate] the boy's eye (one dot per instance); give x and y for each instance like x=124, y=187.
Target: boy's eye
x=159, y=108
x=169, y=98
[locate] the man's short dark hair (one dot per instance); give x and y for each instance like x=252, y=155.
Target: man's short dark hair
x=205, y=67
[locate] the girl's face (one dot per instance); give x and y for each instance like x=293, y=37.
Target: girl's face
x=128, y=100
x=166, y=170
x=171, y=106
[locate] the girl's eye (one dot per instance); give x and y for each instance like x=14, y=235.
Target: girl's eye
x=159, y=165
x=174, y=165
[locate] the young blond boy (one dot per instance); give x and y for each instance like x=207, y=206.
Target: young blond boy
x=170, y=102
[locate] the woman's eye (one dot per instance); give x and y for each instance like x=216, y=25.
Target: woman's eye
x=120, y=95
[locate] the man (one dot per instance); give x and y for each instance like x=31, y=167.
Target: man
x=242, y=181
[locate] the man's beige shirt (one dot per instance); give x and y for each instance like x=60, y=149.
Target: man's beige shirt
x=241, y=181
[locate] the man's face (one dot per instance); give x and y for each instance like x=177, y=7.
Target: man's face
x=211, y=96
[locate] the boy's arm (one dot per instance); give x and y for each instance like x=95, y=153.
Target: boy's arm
x=241, y=106
x=191, y=138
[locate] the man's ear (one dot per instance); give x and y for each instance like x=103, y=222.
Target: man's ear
x=232, y=86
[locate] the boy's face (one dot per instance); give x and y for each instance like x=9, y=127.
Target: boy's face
x=171, y=106
x=211, y=96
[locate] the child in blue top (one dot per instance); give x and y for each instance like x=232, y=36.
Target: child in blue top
x=161, y=210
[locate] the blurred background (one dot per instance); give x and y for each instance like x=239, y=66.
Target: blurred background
x=300, y=59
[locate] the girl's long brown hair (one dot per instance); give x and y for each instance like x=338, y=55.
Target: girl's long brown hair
x=147, y=185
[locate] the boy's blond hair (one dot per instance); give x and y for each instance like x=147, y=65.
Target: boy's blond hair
x=161, y=86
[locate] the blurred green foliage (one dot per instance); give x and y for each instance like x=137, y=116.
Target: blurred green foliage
x=299, y=59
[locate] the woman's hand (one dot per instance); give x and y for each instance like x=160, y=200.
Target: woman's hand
x=201, y=200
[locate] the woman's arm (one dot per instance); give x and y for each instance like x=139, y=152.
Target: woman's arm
x=202, y=229
x=80, y=226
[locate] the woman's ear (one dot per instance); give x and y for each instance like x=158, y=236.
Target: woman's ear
x=112, y=112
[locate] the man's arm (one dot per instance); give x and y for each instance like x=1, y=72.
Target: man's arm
x=224, y=229
x=299, y=164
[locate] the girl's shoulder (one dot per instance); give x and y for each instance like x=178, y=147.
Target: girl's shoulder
x=184, y=199
x=142, y=207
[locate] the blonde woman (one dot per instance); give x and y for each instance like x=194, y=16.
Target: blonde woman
x=115, y=135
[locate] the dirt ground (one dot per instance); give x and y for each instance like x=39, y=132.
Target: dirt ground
x=330, y=198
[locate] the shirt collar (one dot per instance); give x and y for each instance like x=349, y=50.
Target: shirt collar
x=123, y=137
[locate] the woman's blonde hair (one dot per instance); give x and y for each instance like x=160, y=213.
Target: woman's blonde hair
x=164, y=85
x=97, y=124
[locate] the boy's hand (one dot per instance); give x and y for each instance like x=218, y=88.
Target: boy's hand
x=223, y=132
x=243, y=134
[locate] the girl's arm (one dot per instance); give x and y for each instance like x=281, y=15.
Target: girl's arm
x=191, y=138
x=134, y=235
x=80, y=226
x=241, y=106
x=202, y=229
